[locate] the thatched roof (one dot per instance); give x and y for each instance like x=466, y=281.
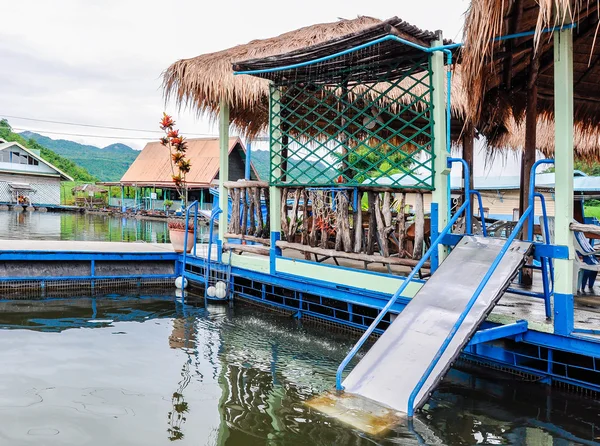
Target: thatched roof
x=200, y=82
x=89, y=188
x=497, y=70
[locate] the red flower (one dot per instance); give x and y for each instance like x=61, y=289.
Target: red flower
x=166, y=122
x=173, y=134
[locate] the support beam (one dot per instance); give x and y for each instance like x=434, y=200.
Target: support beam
x=440, y=194
x=223, y=166
x=503, y=331
x=529, y=150
x=274, y=192
x=468, y=143
x=563, y=115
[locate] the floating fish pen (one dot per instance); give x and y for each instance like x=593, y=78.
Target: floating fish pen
x=359, y=125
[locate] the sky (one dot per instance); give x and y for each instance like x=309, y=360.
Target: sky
x=99, y=62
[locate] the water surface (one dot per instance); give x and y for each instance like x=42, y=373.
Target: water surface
x=148, y=370
x=77, y=226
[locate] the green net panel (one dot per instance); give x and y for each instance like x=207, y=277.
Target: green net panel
x=355, y=133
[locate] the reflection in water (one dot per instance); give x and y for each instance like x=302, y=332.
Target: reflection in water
x=76, y=226
x=108, y=370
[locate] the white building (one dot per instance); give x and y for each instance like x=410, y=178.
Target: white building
x=26, y=178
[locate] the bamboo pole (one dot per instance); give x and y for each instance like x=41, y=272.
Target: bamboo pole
x=358, y=229
x=372, y=223
x=283, y=208
x=419, y=226
x=267, y=228
x=304, y=238
x=250, y=238
x=251, y=193
x=402, y=227
x=259, y=216
x=349, y=255
x=384, y=247
x=293, y=226
x=253, y=249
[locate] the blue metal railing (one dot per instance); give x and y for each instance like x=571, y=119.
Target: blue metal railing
x=434, y=246
x=194, y=206
x=213, y=216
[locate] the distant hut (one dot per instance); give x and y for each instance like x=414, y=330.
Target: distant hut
x=90, y=195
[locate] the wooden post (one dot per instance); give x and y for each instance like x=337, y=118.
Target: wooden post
x=528, y=157
x=358, y=229
x=468, y=143
x=304, y=239
x=251, y=210
x=419, y=226
x=244, y=197
x=223, y=165
x=563, y=115
x=372, y=223
x=283, y=207
x=402, y=227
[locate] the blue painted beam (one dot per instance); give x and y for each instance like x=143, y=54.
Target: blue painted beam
x=53, y=278
x=553, y=251
x=67, y=255
x=502, y=331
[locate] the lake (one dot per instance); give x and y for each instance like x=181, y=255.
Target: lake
x=77, y=226
x=148, y=370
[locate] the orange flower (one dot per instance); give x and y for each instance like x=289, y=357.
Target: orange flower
x=173, y=134
x=166, y=122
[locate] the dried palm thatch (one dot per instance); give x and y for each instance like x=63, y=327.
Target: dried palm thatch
x=200, y=82
x=497, y=70
x=586, y=143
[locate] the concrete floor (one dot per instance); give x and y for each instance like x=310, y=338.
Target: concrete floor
x=83, y=246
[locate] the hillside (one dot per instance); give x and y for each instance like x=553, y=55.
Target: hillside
x=78, y=173
x=107, y=164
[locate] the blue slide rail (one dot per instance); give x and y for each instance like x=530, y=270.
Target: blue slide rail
x=529, y=212
x=527, y=216
x=432, y=249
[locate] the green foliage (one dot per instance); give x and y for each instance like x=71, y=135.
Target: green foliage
x=592, y=211
x=107, y=164
x=76, y=172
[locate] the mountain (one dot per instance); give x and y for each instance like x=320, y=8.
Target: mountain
x=76, y=172
x=261, y=162
x=107, y=164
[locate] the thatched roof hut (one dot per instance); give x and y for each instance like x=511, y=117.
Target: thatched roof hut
x=498, y=71
x=200, y=82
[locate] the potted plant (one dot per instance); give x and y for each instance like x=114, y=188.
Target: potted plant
x=180, y=167
x=168, y=204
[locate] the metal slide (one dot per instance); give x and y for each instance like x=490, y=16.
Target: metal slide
x=394, y=365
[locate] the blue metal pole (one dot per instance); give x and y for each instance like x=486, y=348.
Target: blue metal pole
x=531, y=203
x=463, y=315
x=480, y=203
x=469, y=210
x=248, y=160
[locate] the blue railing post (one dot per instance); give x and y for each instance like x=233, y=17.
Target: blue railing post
x=213, y=216
x=185, y=238
x=531, y=203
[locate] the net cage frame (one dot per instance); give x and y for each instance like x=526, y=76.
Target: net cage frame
x=368, y=121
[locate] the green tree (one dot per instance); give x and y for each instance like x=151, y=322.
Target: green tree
x=76, y=172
